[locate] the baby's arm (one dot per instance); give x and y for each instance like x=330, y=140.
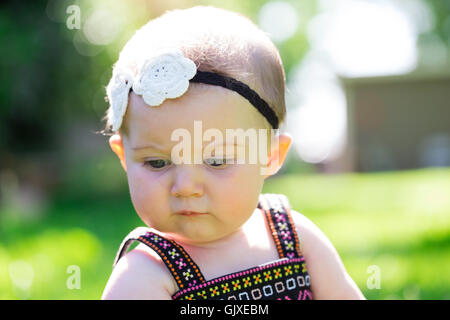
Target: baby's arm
x=329, y=279
x=138, y=275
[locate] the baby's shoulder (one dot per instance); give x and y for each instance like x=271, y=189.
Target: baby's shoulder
x=135, y=273
x=313, y=242
x=329, y=279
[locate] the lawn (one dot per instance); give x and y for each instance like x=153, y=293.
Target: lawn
x=396, y=223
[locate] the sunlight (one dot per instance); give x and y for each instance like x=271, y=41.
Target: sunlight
x=279, y=19
x=318, y=120
x=365, y=38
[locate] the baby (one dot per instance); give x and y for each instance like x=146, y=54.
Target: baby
x=212, y=78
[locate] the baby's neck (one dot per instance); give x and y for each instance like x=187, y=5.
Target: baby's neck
x=234, y=238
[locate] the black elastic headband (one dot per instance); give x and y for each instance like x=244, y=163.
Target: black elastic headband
x=241, y=88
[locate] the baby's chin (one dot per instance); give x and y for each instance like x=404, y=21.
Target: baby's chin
x=195, y=233
x=195, y=241
x=195, y=236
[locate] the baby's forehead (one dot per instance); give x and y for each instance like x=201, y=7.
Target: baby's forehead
x=210, y=107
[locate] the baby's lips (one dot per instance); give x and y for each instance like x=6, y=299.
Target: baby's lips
x=190, y=213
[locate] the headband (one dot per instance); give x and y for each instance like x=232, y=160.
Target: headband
x=167, y=76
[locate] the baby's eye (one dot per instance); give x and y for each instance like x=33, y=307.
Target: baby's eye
x=217, y=162
x=157, y=163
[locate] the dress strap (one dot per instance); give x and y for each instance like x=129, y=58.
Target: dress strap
x=276, y=209
x=184, y=270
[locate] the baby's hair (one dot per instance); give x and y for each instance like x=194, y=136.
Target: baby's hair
x=217, y=40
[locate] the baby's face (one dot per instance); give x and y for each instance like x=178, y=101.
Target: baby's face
x=226, y=194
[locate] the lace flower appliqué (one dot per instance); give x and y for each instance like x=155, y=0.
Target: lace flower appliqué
x=165, y=76
x=117, y=91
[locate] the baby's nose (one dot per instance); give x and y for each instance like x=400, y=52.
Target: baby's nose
x=187, y=181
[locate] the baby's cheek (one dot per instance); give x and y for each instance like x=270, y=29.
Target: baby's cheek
x=240, y=192
x=147, y=194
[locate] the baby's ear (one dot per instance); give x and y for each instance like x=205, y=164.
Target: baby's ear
x=278, y=153
x=116, y=144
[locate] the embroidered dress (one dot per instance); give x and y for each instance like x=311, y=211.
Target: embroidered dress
x=283, y=279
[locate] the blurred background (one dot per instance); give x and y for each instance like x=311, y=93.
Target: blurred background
x=368, y=97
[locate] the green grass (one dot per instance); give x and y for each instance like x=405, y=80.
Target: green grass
x=397, y=221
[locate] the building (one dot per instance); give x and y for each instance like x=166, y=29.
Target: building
x=396, y=122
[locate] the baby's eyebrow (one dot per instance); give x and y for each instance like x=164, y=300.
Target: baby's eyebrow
x=149, y=146
x=224, y=144
x=211, y=145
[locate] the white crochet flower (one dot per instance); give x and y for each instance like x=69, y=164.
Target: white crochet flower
x=164, y=76
x=117, y=92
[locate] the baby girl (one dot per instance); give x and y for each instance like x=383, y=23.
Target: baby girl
x=198, y=74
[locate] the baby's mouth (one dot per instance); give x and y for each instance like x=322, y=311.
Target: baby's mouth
x=188, y=213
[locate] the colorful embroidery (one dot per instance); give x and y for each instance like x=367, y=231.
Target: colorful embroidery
x=236, y=285
x=185, y=277
x=165, y=244
x=214, y=291
x=288, y=270
x=290, y=286
x=277, y=213
x=202, y=294
x=225, y=288
x=247, y=282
